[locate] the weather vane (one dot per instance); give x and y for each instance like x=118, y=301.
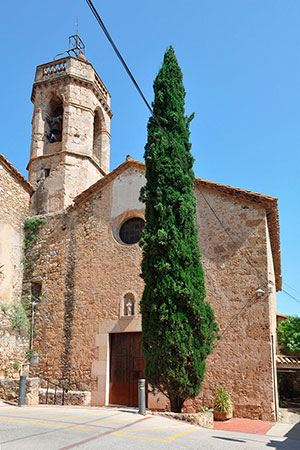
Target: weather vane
x=76, y=44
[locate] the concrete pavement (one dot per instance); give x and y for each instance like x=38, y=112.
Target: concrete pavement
x=62, y=428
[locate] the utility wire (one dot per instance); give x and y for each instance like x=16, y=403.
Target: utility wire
x=291, y=287
x=103, y=27
x=94, y=11
x=290, y=295
x=99, y=20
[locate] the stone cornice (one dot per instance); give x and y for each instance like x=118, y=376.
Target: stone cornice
x=69, y=78
x=64, y=152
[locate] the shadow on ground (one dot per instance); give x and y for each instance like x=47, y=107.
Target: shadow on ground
x=292, y=442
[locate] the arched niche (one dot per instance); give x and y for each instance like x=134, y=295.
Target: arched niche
x=98, y=128
x=128, y=307
x=54, y=119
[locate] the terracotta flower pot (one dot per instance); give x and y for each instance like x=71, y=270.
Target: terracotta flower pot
x=221, y=416
x=2, y=374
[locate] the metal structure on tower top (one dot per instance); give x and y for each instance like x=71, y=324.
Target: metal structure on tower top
x=76, y=45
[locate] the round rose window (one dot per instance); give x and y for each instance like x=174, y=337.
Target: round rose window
x=130, y=231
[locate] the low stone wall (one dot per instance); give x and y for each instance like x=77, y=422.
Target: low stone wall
x=13, y=344
x=203, y=419
x=9, y=390
x=75, y=398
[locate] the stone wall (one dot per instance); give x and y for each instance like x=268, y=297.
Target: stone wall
x=75, y=398
x=13, y=345
x=14, y=208
x=9, y=390
x=85, y=272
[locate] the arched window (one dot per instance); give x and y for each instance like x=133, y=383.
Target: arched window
x=97, y=134
x=128, y=305
x=54, y=120
x=130, y=231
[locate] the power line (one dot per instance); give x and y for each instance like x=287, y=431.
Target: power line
x=103, y=27
x=99, y=20
x=291, y=287
x=290, y=295
x=94, y=11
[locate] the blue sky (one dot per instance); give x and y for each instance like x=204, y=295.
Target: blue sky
x=240, y=61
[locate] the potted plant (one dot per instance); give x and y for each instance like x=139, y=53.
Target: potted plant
x=223, y=407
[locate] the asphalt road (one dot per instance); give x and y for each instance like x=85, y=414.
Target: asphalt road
x=65, y=427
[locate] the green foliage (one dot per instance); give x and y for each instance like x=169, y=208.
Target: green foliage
x=18, y=317
x=222, y=401
x=29, y=354
x=5, y=372
x=4, y=307
x=288, y=333
x=16, y=365
x=27, y=306
x=31, y=227
x=178, y=325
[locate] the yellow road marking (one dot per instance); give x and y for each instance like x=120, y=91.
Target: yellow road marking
x=54, y=425
x=52, y=412
x=152, y=428
x=170, y=439
x=81, y=427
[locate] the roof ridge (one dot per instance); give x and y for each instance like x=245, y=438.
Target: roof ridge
x=14, y=171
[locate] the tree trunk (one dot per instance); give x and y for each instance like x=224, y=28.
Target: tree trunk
x=176, y=404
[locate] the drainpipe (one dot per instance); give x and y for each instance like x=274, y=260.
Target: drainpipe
x=32, y=323
x=274, y=378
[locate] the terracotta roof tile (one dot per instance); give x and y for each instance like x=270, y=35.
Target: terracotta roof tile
x=288, y=361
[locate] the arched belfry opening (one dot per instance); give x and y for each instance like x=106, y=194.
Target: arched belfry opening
x=54, y=120
x=70, y=145
x=97, y=133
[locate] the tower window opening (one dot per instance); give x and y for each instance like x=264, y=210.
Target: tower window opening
x=54, y=120
x=97, y=134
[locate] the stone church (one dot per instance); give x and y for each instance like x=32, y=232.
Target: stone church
x=83, y=263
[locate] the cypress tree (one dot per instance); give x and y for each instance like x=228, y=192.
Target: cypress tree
x=178, y=325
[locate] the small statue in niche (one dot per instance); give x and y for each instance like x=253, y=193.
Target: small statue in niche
x=128, y=307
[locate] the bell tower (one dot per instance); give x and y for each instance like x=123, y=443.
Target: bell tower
x=70, y=145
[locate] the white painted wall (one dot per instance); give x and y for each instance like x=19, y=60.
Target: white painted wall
x=125, y=192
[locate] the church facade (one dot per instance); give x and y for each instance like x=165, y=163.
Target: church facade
x=85, y=259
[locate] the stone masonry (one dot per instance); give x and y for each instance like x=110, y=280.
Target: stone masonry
x=85, y=272
x=87, y=275
x=15, y=194
x=61, y=168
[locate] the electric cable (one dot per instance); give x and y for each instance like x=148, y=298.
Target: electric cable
x=99, y=20
x=291, y=287
x=107, y=34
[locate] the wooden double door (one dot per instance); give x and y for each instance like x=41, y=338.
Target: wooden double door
x=127, y=366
